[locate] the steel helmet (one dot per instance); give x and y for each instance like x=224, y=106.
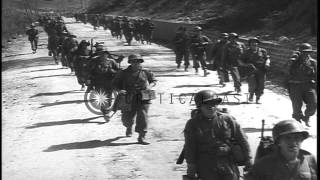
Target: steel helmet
x=197, y=28
x=206, y=97
x=233, y=35
x=253, y=39
x=99, y=47
x=288, y=127
x=224, y=35
x=135, y=57
x=305, y=47
x=295, y=55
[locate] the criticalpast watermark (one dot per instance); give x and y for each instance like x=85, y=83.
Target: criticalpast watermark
x=95, y=100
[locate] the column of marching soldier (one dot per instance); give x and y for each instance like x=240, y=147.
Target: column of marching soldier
x=215, y=144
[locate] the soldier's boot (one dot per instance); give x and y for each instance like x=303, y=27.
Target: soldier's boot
x=50, y=53
x=129, y=132
x=89, y=88
x=178, y=65
x=205, y=73
x=250, y=97
x=237, y=89
x=297, y=119
x=197, y=71
x=106, y=117
x=142, y=139
x=258, y=100
x=221, y=82
x=83, y=87
x=306, y=120
x=186, y=68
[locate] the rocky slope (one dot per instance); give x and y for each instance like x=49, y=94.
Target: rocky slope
x=270, y=19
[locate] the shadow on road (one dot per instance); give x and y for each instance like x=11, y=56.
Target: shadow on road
x=56, y=93
x=88, y=144
x=61, y=103
x=45, y=70
x=58, y=123
x=197, y=85
x=25, y=63
x=52, y=76
x=172, y=75
x=16, y=54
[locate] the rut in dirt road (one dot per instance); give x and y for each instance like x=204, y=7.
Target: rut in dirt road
x=48, y=133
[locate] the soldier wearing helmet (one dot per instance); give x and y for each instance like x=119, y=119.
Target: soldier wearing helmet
x=132, y=82
x=288, y=161
x=181, y=42
x=208, y=135
x=33, y=37
x=302, y=84
x=69, y=46
x=102, y=70
x=198, y=46
x=81, y=63
x=257, y=61
x=218, y=58
x=234, y=50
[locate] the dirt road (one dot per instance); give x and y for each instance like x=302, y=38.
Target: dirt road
x=48, y=133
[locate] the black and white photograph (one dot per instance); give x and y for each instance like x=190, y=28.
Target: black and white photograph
x=159, y=89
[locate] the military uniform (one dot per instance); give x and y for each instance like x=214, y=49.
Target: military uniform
x=259, y=61
x=219, y=55
x=33, y=37
x=275, y=167
x=181, y=41
x=207, y=145
x=81, y=64
x=128, y=31
x=197, y=48
x=302, y=87
x=69, y=46
x=103, y=70
x=233, y=54
x=133, y=82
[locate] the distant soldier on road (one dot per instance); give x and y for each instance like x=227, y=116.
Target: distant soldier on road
x=181, y=42
x=131, y=82
x=198, y=46
x=208, y=138
x=69, y=46
x=288, y=161
x=33, y=37
x=234, y=51
x=257, y=60
x=219, y=58
x=302, y=84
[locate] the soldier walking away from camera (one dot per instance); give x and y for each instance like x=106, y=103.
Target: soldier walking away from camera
x=53, y=45
x=219, y=55
x=198, y=46
x=148, y=28
x=33, y=37
x=257, y=61
x=181, y=41
x=131, y=82
x=81, y=63
x=208, y=141
x=127, y=30
x=302, y=84
x=288, y=161
x=70, y=45
x=234, y=51
x=102, y=71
